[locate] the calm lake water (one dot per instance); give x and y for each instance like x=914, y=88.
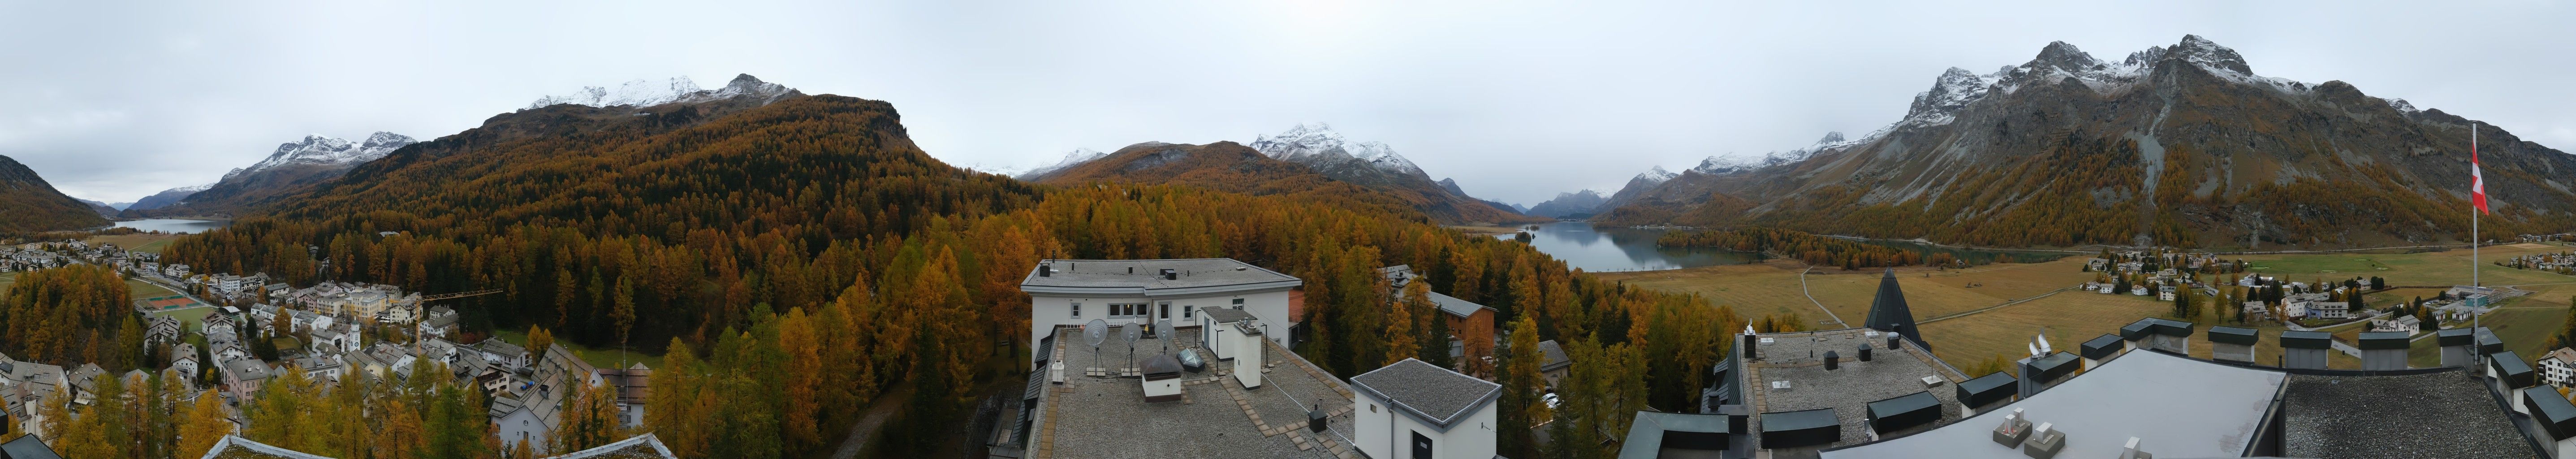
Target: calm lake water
x=172, y=225
x=1633, y=249
x=1623, y=249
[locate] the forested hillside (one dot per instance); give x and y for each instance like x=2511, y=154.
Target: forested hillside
x=1229, y=166
x=791, y=258
x=28, y=203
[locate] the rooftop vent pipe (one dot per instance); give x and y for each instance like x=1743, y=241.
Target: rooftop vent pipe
x=1830, y=357
x=1864, y=352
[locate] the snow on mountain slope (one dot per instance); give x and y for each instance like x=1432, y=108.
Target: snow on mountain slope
x=1075, y=158
x=1318, y=143
x=646, y=93
x=320, y=150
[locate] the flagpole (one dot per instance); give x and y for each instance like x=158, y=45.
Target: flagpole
x=2473, y=210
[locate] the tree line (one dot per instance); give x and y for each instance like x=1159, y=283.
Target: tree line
x=1809, y=248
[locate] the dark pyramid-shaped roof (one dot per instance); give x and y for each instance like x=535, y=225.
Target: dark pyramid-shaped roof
x=1888, y=311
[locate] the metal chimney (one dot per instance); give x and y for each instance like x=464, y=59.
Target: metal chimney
x=1830, y=358
x=1864, y=352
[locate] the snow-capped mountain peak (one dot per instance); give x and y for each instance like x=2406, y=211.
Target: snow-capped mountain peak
x=2402, y=106
x=647, y=93
x=1656, y=176
x=2197, y=50
x=1317, y=142
x=1075, y=158
x=324, y=150
x=192, y=188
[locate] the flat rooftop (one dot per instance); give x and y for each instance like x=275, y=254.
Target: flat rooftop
x=1798, y=359
x=1139, y=276
x=1107, y=416
x=2445, y=414
x=2176, y=406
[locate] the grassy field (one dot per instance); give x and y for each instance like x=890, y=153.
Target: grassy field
x=602, y=358
x=6, y=279
x=139, y=242
x=1773, y=287
x=2074, y=317
x=141, y=289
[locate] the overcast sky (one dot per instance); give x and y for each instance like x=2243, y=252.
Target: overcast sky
x=1518, y=101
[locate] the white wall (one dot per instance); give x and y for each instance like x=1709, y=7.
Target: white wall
x=1387, y=434
x=1048, y=311
x=523, y=422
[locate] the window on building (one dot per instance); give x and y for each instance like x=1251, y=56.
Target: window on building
x=1077, y=310
x=1128, y=311
x=1238, y=303
x=1166, y=310
x=1186, y=310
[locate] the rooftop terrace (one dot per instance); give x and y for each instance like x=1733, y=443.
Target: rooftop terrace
x=1062, y=276
x=1099, y=414
x=1798, y=360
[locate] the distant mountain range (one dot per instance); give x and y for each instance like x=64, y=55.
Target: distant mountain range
x=298, y=165
x=314, y=159
x=28, y=203
x=1299, y=160
x=2180, y=145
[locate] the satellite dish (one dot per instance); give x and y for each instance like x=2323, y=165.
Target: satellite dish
x=1131, y=331
x=1096, y=331
x=1163, y=328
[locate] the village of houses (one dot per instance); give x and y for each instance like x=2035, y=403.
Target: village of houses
x=340, y=327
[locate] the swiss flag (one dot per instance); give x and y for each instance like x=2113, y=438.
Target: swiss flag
x=2477, y=183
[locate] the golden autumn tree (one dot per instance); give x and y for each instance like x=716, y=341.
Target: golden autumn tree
x=205, y=425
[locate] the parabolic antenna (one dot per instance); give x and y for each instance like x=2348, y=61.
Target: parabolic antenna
x=1096, y=331
x=1131, y=331
x=1163, y=328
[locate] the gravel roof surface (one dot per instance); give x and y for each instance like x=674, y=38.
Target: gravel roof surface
x=1107, y=417
x=1848, y=388
x=2447, y=414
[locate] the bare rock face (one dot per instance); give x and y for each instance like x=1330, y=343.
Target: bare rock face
x=2181, y=145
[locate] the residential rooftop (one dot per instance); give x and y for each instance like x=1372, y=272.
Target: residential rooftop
x=1142, y=276
x=1435, y=395
x=1087, y=416
x=2365, y=417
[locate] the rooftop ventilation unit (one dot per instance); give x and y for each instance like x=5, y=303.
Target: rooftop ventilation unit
x=1903, y=412
x=1830, y=360
x=2458, y=346
x=2383, y=350
x=1793, y=429
x=2305, y=349
x=1046, y=270
x=2101, y=348
x=1864, y=352
x=2232, y=344
x=1171, y=274
x=1986, y=390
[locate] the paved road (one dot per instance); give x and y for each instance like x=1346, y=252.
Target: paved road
x=873, y=420
x=1811, y=298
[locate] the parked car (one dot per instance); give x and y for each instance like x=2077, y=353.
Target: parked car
x=1551, y=399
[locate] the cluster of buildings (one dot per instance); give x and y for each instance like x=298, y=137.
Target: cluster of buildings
x=2142, y=273
x=336, y=322
x=2562, y=262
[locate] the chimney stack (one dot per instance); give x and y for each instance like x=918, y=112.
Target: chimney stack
x=2305, y=349
x=2102, y=348
x=2233, y=344
x=2383, y=350
x=2511, y=376
x=2458, y=346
